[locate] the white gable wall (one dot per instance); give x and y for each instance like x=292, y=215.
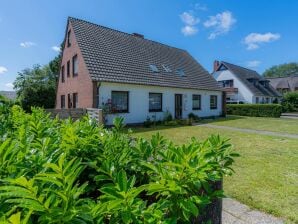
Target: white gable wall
x=139, y=101
x=244, y=94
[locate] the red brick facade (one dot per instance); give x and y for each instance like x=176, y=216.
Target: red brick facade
x=80, y=84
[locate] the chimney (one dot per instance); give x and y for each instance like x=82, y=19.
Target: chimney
x=138, y=35
x=215, y=65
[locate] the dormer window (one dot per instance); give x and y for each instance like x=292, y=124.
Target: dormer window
x=68, y=38
x=166, y=68
x=180, y=72
x=153, y=68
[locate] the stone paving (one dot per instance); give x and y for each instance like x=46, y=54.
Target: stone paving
x=233, y=212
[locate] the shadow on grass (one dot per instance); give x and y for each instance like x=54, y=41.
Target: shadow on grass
x=212, y=120
x=140, y=128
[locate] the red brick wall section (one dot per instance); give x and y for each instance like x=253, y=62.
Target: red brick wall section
x=82, y=83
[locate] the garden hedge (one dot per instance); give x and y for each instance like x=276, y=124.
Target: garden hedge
x=255, y=110
x=64, y=171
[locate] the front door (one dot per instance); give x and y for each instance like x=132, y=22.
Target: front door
x=178, y=106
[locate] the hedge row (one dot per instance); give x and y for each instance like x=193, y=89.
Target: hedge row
x=255, y=110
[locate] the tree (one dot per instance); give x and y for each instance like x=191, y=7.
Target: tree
x=282, y=70
x=36, y=87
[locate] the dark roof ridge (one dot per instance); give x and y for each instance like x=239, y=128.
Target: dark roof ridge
x=130, y=34
x=224, y=62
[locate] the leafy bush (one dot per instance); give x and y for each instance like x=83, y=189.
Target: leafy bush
x=193, y=117
x=255, y=110
x=60, y=171
x=168, y=116
x=290, y=102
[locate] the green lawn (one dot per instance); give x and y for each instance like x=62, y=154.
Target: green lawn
x=259, y=123
x=266, y=175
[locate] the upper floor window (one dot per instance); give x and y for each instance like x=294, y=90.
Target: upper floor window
x=75, y=100
x=62, y=101
x=120, y=101
x=68, y=68
x=227, y=83
x=213, y=102
x=196, y=102
x=63, y=74
x=68, y=38
x=155, y=102
x=75, y=65
x=69, y=101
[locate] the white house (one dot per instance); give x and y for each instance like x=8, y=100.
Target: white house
x=243, y=85
x=132, y=76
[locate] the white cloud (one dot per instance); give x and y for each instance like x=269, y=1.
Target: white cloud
x=9, y=85
x=56, y=48
x=253, y=40
x=3, y=69
x=189, y=21
x=199, y=6
x=253, y=64
x=189, y=30
x=221, y=23
x=27, y=44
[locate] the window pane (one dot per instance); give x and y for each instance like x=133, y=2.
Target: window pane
x=155, y=101
x=75, y=65
x=213, y=102
x=120, y=101
x=196, y=102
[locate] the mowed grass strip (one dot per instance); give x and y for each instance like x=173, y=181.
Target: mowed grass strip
x=282, y=125
x=266, y=175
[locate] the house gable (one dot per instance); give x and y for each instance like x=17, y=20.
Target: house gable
x=80, y=83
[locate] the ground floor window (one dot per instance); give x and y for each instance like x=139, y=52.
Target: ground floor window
x=155, y=102
x=75, y=100
x=196, y=102
x=120, y=101
x=257, y=100
x=62, y=101
x=213, y=102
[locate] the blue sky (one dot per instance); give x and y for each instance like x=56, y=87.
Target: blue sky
x=251, y=33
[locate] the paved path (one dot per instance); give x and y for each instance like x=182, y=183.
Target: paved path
x=234, y=212
x=271, y=133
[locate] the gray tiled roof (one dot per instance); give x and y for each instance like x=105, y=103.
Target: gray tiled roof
x=244, y=74
x=114, y=56
x=289, y=82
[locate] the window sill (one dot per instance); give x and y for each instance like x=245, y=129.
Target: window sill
x=213, y=108
x=153, y=111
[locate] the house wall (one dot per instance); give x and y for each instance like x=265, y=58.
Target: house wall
x=81, y=84
x=139, y=101
x=244, y=94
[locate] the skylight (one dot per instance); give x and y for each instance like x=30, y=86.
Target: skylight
x=153, y=68
x=180, y=72
x=166, y=68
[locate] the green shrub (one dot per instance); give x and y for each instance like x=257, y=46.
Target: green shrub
x=255, y=110
x=168, y=116
x=290, y=102
x=60, y=171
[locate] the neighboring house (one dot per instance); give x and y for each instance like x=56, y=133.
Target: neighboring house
x=285, y=84
x=133, y=77
x=243, y=85
x=12, y=95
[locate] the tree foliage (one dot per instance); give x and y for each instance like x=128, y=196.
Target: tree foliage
x=36, y=87
x=282, y=70
x=54, y=171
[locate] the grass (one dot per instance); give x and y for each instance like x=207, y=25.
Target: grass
x=283, y=125
x=266, y=175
